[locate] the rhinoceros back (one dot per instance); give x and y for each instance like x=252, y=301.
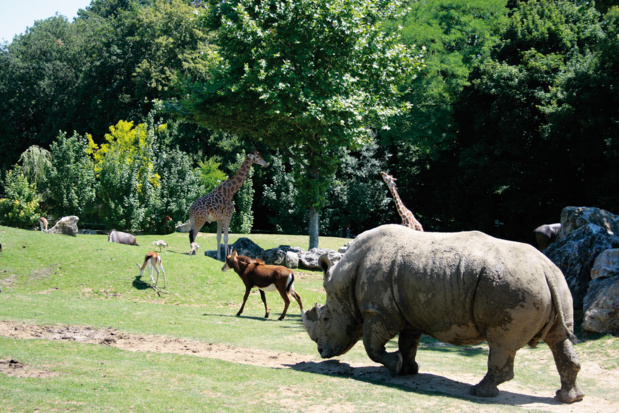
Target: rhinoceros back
x=453, y=286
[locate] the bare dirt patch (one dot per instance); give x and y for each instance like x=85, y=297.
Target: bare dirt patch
x=14, y=368
x=449, y=384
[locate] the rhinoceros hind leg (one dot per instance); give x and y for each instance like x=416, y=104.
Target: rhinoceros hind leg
x=500, y=370
x=375, y=335
x=568, y=367
x=408, y=343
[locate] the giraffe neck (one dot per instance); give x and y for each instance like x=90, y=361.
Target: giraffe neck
x=398, y=202
x=232, y=185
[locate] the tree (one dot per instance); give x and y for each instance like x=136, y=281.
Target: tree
x=128, y=184
x=70, y=184
x=21, y=206
x=306, y=77
x=511, y=169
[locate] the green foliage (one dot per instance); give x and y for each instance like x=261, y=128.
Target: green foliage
x=304, y=76
x=35, y=164
x=129, y=187
x=21, y=206
x=278, y=198
x=513, y=165
x=180, y=186
x=210, y=174
x=110, y=63
x=457, y=36
x=243, y=218
x=71, y=183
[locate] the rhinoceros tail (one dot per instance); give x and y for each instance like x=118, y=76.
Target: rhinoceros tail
x=558, y=305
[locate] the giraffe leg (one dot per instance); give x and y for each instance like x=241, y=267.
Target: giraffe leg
x=226, y=228
x=219, y=225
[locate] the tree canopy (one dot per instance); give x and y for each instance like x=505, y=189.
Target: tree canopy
x=307, y=77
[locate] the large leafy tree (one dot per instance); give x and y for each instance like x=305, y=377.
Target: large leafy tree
x=307, y=77
x=509, y=170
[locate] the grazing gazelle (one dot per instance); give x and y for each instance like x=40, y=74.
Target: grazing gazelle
x=152, y=260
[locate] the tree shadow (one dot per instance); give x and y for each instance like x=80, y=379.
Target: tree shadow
x=421, y=383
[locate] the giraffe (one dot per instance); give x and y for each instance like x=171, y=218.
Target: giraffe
x=218, y=206
x=408, y=219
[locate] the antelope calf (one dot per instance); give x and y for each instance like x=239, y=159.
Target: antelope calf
x=152, y=260
x=161, y=243
x=255, y=273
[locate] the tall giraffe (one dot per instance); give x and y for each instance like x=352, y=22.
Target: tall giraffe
x=218, y=206
x=408, y=219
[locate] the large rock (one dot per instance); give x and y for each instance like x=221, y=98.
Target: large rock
x=602, y=306
x=575, y=255
x=66, y=226
x=310, y=259
x=573, y=218
x=243, y=246
x=606, y=264
x=183, y=228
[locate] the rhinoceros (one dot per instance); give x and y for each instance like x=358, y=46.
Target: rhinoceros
x=461, y=288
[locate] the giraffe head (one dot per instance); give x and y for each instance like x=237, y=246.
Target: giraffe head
x=389, y=180
x=257, y=158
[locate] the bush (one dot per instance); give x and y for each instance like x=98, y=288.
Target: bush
x=21, y=207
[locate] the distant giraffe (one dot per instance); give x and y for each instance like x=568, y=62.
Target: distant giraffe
x=218, y=206
x=408, y=219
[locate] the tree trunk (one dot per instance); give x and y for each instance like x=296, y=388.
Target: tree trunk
x=314, y=221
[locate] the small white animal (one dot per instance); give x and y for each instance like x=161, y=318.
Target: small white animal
x=152, y=260
x=161, y=243
x=194, y=248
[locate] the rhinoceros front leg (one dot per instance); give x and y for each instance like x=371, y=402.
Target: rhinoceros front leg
x=408, y=343
x=376, y=334
x=500, y=369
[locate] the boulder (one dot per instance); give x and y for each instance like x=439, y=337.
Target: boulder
x=602, y=306
x=184, y=227
x=310, y=259
x=606, y=264
x=575, y=255
x=66, y=226
x=573, y=218
x=292, y=260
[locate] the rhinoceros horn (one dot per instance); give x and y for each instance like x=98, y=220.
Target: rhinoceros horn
x=310, y=320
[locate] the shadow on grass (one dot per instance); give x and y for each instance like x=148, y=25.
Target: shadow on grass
x=272, y=317
x=421, y=383
x=138, y=284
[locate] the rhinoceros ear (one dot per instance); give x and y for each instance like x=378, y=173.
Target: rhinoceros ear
x=325, y=263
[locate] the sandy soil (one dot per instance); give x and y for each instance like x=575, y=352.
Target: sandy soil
x=456, y=385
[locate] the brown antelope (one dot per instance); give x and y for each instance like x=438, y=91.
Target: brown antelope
x=152, y=260
x=255, y=273
x=43, y=224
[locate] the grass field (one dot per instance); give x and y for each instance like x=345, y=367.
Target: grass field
x=81, y=331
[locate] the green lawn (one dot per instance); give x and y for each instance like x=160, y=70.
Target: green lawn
x=51, y=280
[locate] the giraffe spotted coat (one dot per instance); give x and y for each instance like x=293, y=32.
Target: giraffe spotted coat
x=218, y=206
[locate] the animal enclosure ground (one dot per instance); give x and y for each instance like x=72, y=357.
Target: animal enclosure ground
x=89, y=335
x=455, y=385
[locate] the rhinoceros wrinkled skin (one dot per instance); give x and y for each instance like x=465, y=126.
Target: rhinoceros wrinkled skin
x=461, y=288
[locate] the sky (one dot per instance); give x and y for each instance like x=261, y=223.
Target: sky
x=17, y=15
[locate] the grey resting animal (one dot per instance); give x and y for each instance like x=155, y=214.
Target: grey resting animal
x=460, y=288
x=121, y=238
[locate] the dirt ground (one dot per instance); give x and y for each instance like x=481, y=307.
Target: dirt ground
x=449, y=384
